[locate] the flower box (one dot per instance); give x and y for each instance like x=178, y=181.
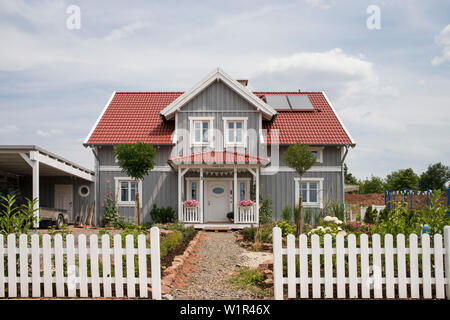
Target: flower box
x=245, y=203
x=190, y=204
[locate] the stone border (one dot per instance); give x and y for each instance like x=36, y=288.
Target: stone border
x=171, y=272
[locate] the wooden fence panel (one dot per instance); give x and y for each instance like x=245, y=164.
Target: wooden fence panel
x=71, y=267
x=106, y=256
x=315, y=262
x=304, y=284
x=61, y=263
x=383, y=266
x=401, y=266
x=439, y=266
x=23, y=257
x=328, y=265
x=59, y=271
x=292, y=292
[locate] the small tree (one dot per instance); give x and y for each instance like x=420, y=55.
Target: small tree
x=435, y=177
x=136, y=160
x=299, y=157
x=402, y=179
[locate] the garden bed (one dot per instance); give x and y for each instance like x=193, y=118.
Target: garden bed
x=167, y=259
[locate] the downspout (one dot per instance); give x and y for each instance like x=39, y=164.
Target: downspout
x=342, y=172
x=97, y=184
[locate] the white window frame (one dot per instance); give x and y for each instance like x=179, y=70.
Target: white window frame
x=210, y=142
x=189, y=181
x=120, y=203
x=319, y=151
x=319, y=182
x=227, y=143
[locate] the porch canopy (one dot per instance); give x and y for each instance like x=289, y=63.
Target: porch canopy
x=30, y=160
x=217, y=163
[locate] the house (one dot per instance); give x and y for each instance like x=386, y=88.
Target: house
x=220, y=143
x=29, y=171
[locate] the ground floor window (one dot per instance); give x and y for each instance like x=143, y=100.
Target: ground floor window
x=126, y=190
x=311, y=190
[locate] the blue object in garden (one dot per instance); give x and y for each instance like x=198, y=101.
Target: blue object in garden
x=425, y=229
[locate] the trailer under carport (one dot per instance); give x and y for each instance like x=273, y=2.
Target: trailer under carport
x=41, y=172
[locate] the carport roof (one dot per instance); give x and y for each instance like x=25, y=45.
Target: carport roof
x=16, y=159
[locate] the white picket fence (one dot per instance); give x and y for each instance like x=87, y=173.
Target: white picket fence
x=74, y=270
x=362, y=272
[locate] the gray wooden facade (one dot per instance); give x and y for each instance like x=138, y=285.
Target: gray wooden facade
x=160, y=187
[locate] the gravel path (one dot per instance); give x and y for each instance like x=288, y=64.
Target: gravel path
x=219, y=256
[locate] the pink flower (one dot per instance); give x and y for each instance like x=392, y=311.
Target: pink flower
x=108, y=180
x=191, y=203
x=245, y=203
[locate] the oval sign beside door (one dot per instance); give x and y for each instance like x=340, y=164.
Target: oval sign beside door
x=218, y=190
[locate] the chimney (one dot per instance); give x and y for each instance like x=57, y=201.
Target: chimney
x=244, y=82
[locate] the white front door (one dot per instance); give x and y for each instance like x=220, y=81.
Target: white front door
x=64, y=197
x=217, y=200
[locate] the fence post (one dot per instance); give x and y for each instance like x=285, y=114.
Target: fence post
x=155, y=261
x=277, y=264
x=447, y=259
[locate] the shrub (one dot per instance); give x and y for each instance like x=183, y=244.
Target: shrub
x=162, y=215
x=285, y=227
x=110, y=211
x=248, y=277
x=249, y=233
x=286, y=213
x=15, y=218
x=265, y=211
x=187, y=232
x=170, y=242
x=371, y=215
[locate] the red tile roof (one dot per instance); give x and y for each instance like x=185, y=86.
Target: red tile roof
x=221, y=157
x=134, y=116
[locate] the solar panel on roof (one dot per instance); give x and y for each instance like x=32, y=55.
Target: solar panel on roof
x=300, y=102
x=277, y=101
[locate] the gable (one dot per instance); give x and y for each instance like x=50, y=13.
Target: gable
x=218, y=75
x=218, y=96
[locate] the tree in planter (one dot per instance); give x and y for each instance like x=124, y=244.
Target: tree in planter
x=299, y=157
x=136, y=160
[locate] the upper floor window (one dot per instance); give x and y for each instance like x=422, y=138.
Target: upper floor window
x=201, y=130
x=235, y=131
x=317, y=152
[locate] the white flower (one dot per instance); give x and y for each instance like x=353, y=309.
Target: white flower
x=328, y=219
x=343, y=233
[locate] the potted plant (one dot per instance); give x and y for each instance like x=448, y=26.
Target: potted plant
x=230, y=216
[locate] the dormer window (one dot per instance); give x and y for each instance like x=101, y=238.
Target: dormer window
x=201, y=130
x=235, y=131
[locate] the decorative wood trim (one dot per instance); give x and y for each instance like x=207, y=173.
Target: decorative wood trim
x=215, y=75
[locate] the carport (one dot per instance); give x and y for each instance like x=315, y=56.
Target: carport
x=33, y=164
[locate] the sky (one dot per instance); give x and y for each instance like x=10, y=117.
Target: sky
x=386, y=70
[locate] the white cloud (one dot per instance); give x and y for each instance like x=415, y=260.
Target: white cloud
x=126, y=31
x=50, y=132
x=9, y=128
x=443, y=40
x=324, y=4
